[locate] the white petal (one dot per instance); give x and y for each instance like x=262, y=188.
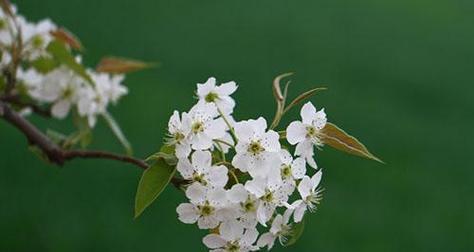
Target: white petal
x=316, y=179
x=206, y=88
x=226, y=88
x=216, y=129
x=320, y=119
x=299, y=212
x=286, y=157
x=214, y=241
x=61, y=108
x=201, y=141
x=308, y=113
x=196, y=193
x=296, y=132
x=218, y=176
x=250, y=236
x=201, y=160
x=231, y=230
x=185, y=168
x=217, y=197
x=187, y=213
x=241, y=162
x=277, y=224
x=298, y=168
x=208, y=222
x=259, y=125
x=305, y=187
x=237, y=193
x=174, y=124
x=271, y=142
x=256, y=187
x=267, y=239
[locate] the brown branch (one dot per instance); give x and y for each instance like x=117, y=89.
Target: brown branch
x=58, y=155
x=15, y=100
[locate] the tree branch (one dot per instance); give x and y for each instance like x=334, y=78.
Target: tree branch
x=58, y=155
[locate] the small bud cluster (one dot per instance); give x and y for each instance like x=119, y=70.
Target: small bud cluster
x=24, y=54
x=240, y=174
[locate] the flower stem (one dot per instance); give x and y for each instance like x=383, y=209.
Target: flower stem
x=231, y=129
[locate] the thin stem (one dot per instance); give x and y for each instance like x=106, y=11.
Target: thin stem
x=219, y=141
x=219, y=147
x=231, y=129
x=234, y=176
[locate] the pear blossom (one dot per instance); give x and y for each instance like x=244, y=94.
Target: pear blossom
x=109, y=85
x=291, y=170
x=232, y=237
x=201, y=170
x=37, y=36
x=177, y=135
x=209, y=92
x=310, y=196
x=257, y=149
x=271, y=193
x=206, y=207
x=246, y=205
x=306, y=133
x=280, y=229
x=204, y=126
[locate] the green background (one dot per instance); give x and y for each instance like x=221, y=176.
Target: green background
x=400, y=77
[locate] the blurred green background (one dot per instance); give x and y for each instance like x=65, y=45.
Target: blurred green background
x=400, y=77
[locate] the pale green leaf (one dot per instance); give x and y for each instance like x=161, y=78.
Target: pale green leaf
x=62, y=54
x=115, y=127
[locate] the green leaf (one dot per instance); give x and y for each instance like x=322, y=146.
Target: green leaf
x=121, y=65
x=63, y=55
x=297, y=230
x=339, y=139
x=84, y=134
x=44, y=65
x=152, y=183
x=303, y=97
x=114, y=126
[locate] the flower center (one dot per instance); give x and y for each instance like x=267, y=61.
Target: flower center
x=232, y=247
x=178, y=136
x=211, y=97
x=197, y=127
x=311, y=132
x=206, y=209
x=3, y=24
x=37, y=41
x=199, y=178
x=67, y=93
x=248, y=206
x=255, y=148
x=268, y=197
x=286, y=171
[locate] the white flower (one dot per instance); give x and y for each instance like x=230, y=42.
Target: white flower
x=280, y=229
x=31, y=79
x=36, y=37
x=232, y=238
x=271, y=193
x=246, y=205
x=207, y=206
x=203, y=127
x=310, y=196
x=60, y=87
x=208, y=92
x=306, y=133
x=92, y=103
x=202, y=171
x=291, y=170
x=257, y=150
x=109, y=85
x=177, y=136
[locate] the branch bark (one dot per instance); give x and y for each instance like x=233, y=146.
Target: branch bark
x=58, y=155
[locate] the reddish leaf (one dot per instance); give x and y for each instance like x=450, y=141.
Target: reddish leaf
x=68, y=38
x=339, y=139
x=120, y=65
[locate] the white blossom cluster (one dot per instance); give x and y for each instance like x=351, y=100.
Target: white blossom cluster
x=262, y=184
x=61, y=87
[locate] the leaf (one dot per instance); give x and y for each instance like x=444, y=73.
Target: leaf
x=120, y=65
x=114, y=126
x=297, y=230
x=67, y=37
x=44, y=65
x=303, y=97
x=63, y=55
x=84, y=134
x=339, y=139
x=276, y=86
x=152, y=183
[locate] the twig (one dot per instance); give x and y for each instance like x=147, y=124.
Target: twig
x=55, y=153
x=15, y=100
